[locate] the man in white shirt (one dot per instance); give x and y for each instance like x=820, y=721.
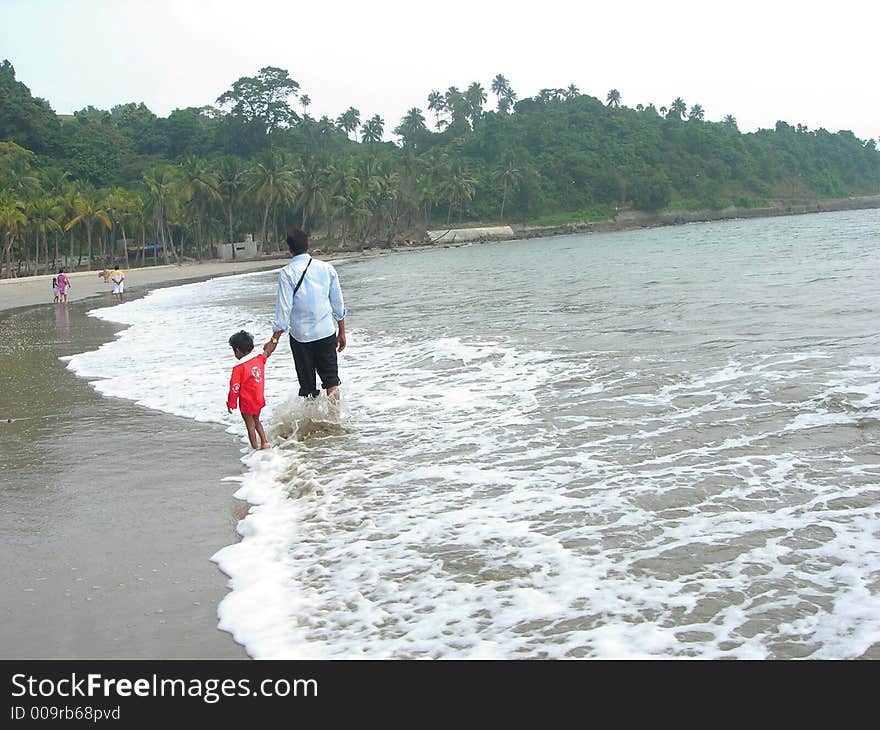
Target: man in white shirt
x=309, y=307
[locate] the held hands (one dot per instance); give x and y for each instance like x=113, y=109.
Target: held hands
x=269, y=348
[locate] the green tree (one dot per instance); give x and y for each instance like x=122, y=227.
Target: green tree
x=231, y=185
x=349, y=120
x=509, y=174
x=24, y=119
x=411, y=127
x=313, y=197
x=458, y=189
x=436, y=104
x=613, y=98
x=372, y=129
x=263, y=98
x=475, y=97
x=272, y=182
x=164, y=198
x=501, y=89
x=201, y=190
x=677, y=109
x=90, y=209
x=12, y=220
x=43, y=213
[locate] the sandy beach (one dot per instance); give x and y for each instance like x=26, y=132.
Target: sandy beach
x=32, y=290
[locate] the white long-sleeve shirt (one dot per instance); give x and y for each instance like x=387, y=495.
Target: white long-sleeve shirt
x=312, y=314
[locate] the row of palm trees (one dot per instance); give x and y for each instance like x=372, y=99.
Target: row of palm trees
x=179, y=210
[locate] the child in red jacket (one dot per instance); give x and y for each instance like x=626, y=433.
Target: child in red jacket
x=246, y=386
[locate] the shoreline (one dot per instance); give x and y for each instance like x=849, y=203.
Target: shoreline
x=29, y=291
x=631, y=220
x=113, y=509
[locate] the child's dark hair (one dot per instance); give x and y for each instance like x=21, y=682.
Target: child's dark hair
x=298, y=241
x=242, y=341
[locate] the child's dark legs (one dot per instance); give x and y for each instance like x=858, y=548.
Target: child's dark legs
x=254, y=429
x=250, y=422
x=264, y=442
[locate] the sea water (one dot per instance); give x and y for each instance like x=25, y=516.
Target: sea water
x=656, y=443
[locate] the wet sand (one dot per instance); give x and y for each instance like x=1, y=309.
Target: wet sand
x=109, y=512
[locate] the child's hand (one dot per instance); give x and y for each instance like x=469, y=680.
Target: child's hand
x=228, y=409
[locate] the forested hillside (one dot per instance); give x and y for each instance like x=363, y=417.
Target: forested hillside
x=258, y=162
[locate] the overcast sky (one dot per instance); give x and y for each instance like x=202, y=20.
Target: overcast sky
x=803, y=62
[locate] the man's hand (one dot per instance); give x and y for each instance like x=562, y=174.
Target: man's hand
x=340, y=341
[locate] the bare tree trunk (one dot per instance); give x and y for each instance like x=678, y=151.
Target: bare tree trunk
x=89, y=234
x=265, y=244
x=125, y=244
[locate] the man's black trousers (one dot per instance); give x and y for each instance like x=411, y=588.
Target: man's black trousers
x=311, y=357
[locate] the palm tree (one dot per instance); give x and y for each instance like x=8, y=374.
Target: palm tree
x=271, y=180
x=572, y=91
x=313, y=190
x=697, y=114
x=501, y=89
x=437, y=105
x=162, y=196
x=509, y=99
x=231, y=185
x=372, y=129
x=458, y=188
x=613, y=98
x=475, y=97
x=43, y=213
x=340, y=181
x=677, y=108
x=349, y=120
x=456, y=104
x=411, y=126
x=123, y=205
x=305, y=100
x=201, y=188
x=508, y=175
x=729, y=122
x=12, y=219
x=640, y=107
x=89, y=208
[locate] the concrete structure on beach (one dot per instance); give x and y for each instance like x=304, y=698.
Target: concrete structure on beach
x=460, y=235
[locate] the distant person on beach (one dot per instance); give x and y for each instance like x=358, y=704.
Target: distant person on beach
x=55, y=289
x=118, y=278
x=63, y=282
x=246, y=386
x=309, y=307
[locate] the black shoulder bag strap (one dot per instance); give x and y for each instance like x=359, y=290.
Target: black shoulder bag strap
x=296, y=288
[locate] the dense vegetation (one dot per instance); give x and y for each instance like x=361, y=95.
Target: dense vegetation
x=170, y=186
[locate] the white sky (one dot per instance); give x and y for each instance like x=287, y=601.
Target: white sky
x=803, y=62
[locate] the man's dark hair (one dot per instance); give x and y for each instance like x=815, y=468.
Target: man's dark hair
x=242, y=341
x=298, y=241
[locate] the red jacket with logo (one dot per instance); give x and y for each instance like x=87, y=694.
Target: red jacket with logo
x=246, y=385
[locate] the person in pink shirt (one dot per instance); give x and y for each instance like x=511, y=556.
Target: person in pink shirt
x=63, y=284
x=246, y=386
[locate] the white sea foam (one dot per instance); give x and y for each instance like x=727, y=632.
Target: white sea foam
x=475, y=498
